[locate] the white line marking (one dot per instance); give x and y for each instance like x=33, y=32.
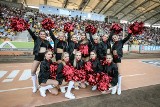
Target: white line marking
x=25, y=75
x=134, y=75
x=14, y=89
x=11, y=76
x=2, y=73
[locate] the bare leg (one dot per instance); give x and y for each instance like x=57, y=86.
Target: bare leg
x=50, y=84
x=53, y=91
x=82, y=85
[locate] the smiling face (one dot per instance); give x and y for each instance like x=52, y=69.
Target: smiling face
x=61, y=36
x=105, y=37
x=83, y=36
x=109, y=58
x=48, y=55
x=96, y=39
x=74, y=38
x=78, y=55
x=93, y=55
x=42, y=35
x=66, y=57
x=115, y=38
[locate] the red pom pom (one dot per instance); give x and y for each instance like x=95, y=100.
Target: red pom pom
x=19, y=24
x=79, y=75
x=136, y=28
x=116, y=27
x=91, y=29
x=88, y=67
x=68, y=27
x=84, y=49
x=53, y=69
x=94, y=78
x=104, y=82
x=47, y=24
x=68, y=72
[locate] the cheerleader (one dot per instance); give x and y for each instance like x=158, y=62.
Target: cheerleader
x=96, y=65
x=104, y=46
x=40, y=46
x=84, y=46
x=118, y=54
x=95, y=42
x=45, y=80
x=60, y=45
x=72, y=46
x=111, y=69
x=79, y=65
x=61, y=78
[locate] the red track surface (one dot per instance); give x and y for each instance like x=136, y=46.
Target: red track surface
x=19, y=93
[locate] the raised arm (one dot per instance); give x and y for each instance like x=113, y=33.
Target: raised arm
x=110, y=35
x=126, y=38
x=52, y=35
x=91, y=38
x=32, y=34
x=69, y=37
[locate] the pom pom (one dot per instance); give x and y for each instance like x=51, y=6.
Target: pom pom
x=84, y=49
x=53, y=69
x=47, y=24
x=79, y=75
x=116, y=27
x=19, y=25
x=104, y=82
x=68, y=27
x=88, y=67
x=68, y=72
x=136, y=28
x=91, y=29
x=93, y=79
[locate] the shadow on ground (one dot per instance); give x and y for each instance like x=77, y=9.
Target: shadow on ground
x=141, y=97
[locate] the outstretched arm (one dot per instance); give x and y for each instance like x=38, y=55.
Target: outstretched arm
x=52, y=35
x=126, y=38
x=32, y=34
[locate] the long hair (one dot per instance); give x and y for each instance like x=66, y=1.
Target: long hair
x=94, y=53
x=74, y=62
x=85, y=41
x=62, y=58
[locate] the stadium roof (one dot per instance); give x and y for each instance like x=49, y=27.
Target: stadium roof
x=147, y=11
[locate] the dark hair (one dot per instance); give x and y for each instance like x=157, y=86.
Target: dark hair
x=48, y=51
x=109, y=54
x=42, y=31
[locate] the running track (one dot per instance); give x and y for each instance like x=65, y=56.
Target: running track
x=15, y=82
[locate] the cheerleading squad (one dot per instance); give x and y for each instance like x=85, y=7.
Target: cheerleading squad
x=78, y=63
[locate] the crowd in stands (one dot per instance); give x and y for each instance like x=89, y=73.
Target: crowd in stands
x=151, y=36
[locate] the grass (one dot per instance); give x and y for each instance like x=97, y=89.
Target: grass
x=21, y=44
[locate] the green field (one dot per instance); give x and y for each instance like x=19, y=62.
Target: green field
x=21, y=44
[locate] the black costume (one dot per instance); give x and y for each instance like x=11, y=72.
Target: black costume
x=60, y=77
x=95, y=46
x=79, y=64
x=112, y=71
x=118, y=45
x=58, y=44
x=71, y=46
x=38, y=43
x=103, y=46
x=44, y=73
x=96, y=65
